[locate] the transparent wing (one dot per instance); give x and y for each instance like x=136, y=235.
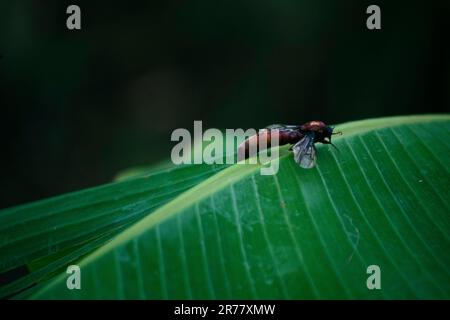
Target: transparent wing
x=282, y=127
x=305, y=152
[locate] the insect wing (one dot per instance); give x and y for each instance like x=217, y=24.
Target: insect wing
x=282, y=127
x=276, y=126
x=305, y=152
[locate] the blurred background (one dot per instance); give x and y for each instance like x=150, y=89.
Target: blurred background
x=77, y=107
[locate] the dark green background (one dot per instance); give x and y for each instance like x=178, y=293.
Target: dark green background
x=79, y=106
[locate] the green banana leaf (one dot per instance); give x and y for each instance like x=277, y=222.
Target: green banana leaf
x=50, y=234
x=382, y=200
